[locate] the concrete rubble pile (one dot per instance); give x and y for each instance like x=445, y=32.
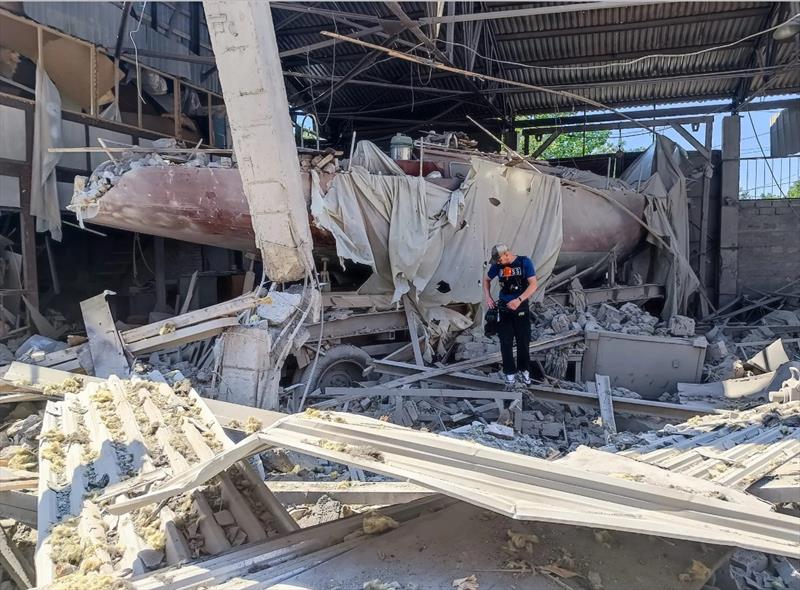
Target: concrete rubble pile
x=73, y=447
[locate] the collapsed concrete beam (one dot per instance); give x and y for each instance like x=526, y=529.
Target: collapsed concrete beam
x=246, y=51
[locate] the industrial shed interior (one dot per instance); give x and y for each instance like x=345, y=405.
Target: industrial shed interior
x=250, y=335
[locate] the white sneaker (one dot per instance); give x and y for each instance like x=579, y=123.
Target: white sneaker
x=526, y=377
x=511, y=380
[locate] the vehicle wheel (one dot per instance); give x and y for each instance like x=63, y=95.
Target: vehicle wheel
x=342, y=366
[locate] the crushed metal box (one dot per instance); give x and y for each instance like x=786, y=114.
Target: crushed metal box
x=648, y=365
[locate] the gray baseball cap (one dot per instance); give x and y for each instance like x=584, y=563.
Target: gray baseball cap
x=498, y=250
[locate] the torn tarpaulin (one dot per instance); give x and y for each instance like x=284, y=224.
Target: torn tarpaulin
x=414, y=233
x=657, y=173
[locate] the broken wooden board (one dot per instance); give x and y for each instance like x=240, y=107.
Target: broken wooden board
x=181, y=336
x=16, y=479
x=108, y=356
x=227, y=308
x=43, y=325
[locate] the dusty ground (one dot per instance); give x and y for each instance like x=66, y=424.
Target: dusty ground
x=461, y=540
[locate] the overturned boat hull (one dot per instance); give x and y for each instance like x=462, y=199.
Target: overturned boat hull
x=208, y=206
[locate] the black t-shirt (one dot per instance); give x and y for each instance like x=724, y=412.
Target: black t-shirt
x=513, y=277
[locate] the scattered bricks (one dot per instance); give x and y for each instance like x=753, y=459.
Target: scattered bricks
x=561, y=323
x=750, y=561
x=680, y=325
x=500, y=431
x=608, y=315
x=552, y=429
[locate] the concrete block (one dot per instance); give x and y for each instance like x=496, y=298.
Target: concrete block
x=500, y=431
x=680, y=325
x=551, y=429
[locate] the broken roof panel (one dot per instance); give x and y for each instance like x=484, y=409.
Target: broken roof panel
x=111, y=439
x=521, y=487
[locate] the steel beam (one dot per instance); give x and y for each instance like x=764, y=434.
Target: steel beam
x=544, y=145
x=655, y=113
x=334, y=14
x=620, y=125
x=359, y=325
x=398, y=11
x=679, y=127
x=367, y=61
x=378, y=84
x=327, y=43
x=618, y=294
x=524, y=12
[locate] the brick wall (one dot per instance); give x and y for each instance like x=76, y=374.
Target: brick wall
x=769, y=243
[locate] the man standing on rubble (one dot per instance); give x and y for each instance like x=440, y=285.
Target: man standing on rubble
x=517, y=278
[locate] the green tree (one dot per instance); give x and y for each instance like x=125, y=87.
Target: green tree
x=794, y=190
x=569, y=145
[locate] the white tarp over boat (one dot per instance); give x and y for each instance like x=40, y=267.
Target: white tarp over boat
x=421, y=238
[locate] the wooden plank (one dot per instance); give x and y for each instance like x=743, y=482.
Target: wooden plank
x=42, y=324
x=108, y=355
x=15, y=479
x=603, y=384
x=41, y=376
x=182, y=336
x=564, y=340
x=234, y=306
x=16, y=398
x=456, y=393
x=189, y=293
x=411, y=318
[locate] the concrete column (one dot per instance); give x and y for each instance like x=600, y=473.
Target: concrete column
x=729, y=212
x=246, y=51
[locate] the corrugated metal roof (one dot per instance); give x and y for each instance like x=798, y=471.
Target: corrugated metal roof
x=593, y=52
x=521, y=487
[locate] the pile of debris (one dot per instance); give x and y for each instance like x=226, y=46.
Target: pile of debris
x=128, y=475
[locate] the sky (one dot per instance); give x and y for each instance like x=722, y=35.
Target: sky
x=755, y=177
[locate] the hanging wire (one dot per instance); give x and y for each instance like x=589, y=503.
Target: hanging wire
x=136, y=49
x=629, y=62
